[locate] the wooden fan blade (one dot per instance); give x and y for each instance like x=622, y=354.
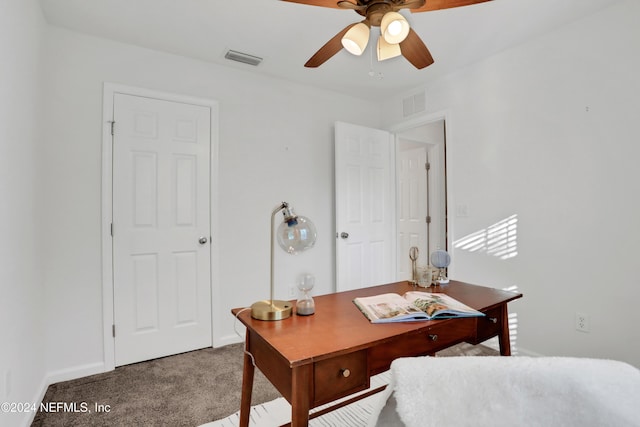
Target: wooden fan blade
x=415, y=51
x=330, y=48
x=445, y=4
x=322, y=3
x=411, y=4
x=344, y=4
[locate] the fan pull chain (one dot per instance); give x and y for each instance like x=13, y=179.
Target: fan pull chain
x=372, y=73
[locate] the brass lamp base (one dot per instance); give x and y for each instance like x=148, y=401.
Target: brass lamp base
x=271, y=310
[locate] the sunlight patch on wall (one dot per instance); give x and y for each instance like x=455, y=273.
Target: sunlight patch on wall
x=513, y=332
x=499, y=239
x=513, y=324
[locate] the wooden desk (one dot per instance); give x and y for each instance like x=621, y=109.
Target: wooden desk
x=313, y=360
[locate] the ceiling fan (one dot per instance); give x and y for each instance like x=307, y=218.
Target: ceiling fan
x=396, y=36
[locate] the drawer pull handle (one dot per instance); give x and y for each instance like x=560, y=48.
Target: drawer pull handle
x=433, y=337
x=493, y=319
x=345, y=372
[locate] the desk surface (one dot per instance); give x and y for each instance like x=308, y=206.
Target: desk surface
x=338, y=326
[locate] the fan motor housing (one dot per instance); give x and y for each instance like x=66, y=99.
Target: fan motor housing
x=376, y=11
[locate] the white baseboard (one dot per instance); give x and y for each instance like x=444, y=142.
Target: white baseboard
x=227, y=340
x=515, y=350
x=529, y=353
x=59, y=376
x=29, y=416
x=76, y=372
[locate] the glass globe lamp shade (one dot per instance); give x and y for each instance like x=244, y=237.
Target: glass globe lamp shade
x=296, y=236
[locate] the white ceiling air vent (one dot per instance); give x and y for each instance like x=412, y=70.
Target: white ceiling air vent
x=414, y=104
x=243, y=57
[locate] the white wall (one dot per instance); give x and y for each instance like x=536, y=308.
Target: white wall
x=275, y=144
x=548, y=131
x=21, y=305
x=520, y=142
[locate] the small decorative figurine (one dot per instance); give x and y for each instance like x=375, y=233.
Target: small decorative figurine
x=413, y=256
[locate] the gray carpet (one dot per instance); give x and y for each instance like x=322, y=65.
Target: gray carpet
x=188, y=390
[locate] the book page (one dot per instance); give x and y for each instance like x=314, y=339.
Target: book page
x=386, y=306
x=439, y=303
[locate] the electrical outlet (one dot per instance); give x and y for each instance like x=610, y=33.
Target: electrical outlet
x=292, y=292
x=582, y=322
x=462, y=210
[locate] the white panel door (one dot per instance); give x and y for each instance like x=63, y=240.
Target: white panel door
x=412, y=208
x=161, y=218
x=365, y=207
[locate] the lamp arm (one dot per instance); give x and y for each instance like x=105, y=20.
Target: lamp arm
x=277, y=209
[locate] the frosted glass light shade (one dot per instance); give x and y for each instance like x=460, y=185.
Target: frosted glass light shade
x=440, y=258
x=356, y=39
x=394, y=27
x=296, y=237
x=387, y=50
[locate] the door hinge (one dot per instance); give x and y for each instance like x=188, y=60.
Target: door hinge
x=113, y=330
x=113, y=123
x=427, y=165
x=428, y=219
x=111, y=230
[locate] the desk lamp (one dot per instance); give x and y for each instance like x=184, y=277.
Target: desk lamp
x=295, y=234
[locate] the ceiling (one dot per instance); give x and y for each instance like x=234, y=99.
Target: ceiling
x=287, y=34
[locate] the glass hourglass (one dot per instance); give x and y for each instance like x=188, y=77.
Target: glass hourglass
x=441, y=260
x=305, y=305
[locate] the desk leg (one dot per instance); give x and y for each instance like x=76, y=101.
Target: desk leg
x=247, y=386
x=503, y=338
x=301, y=395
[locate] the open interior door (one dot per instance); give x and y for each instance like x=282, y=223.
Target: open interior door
x=365, y=207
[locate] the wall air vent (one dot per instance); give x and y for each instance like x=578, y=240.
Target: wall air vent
x=414, y=104
x=243, y=57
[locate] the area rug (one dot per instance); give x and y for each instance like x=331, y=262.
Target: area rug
x=278, y=412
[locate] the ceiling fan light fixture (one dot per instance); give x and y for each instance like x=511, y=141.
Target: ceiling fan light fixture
x=356, y=39
x=387, y=50
x=394, y=27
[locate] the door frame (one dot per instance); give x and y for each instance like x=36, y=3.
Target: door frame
x=418, y=121
x=109, y=90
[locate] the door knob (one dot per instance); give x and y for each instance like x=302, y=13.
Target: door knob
x=344, y=235
x=202, y=240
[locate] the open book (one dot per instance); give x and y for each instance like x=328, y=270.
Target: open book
x=412, y=306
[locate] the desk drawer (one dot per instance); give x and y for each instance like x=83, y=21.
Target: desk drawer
x=340, y=376
x=490, y=325
x=421, y=343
